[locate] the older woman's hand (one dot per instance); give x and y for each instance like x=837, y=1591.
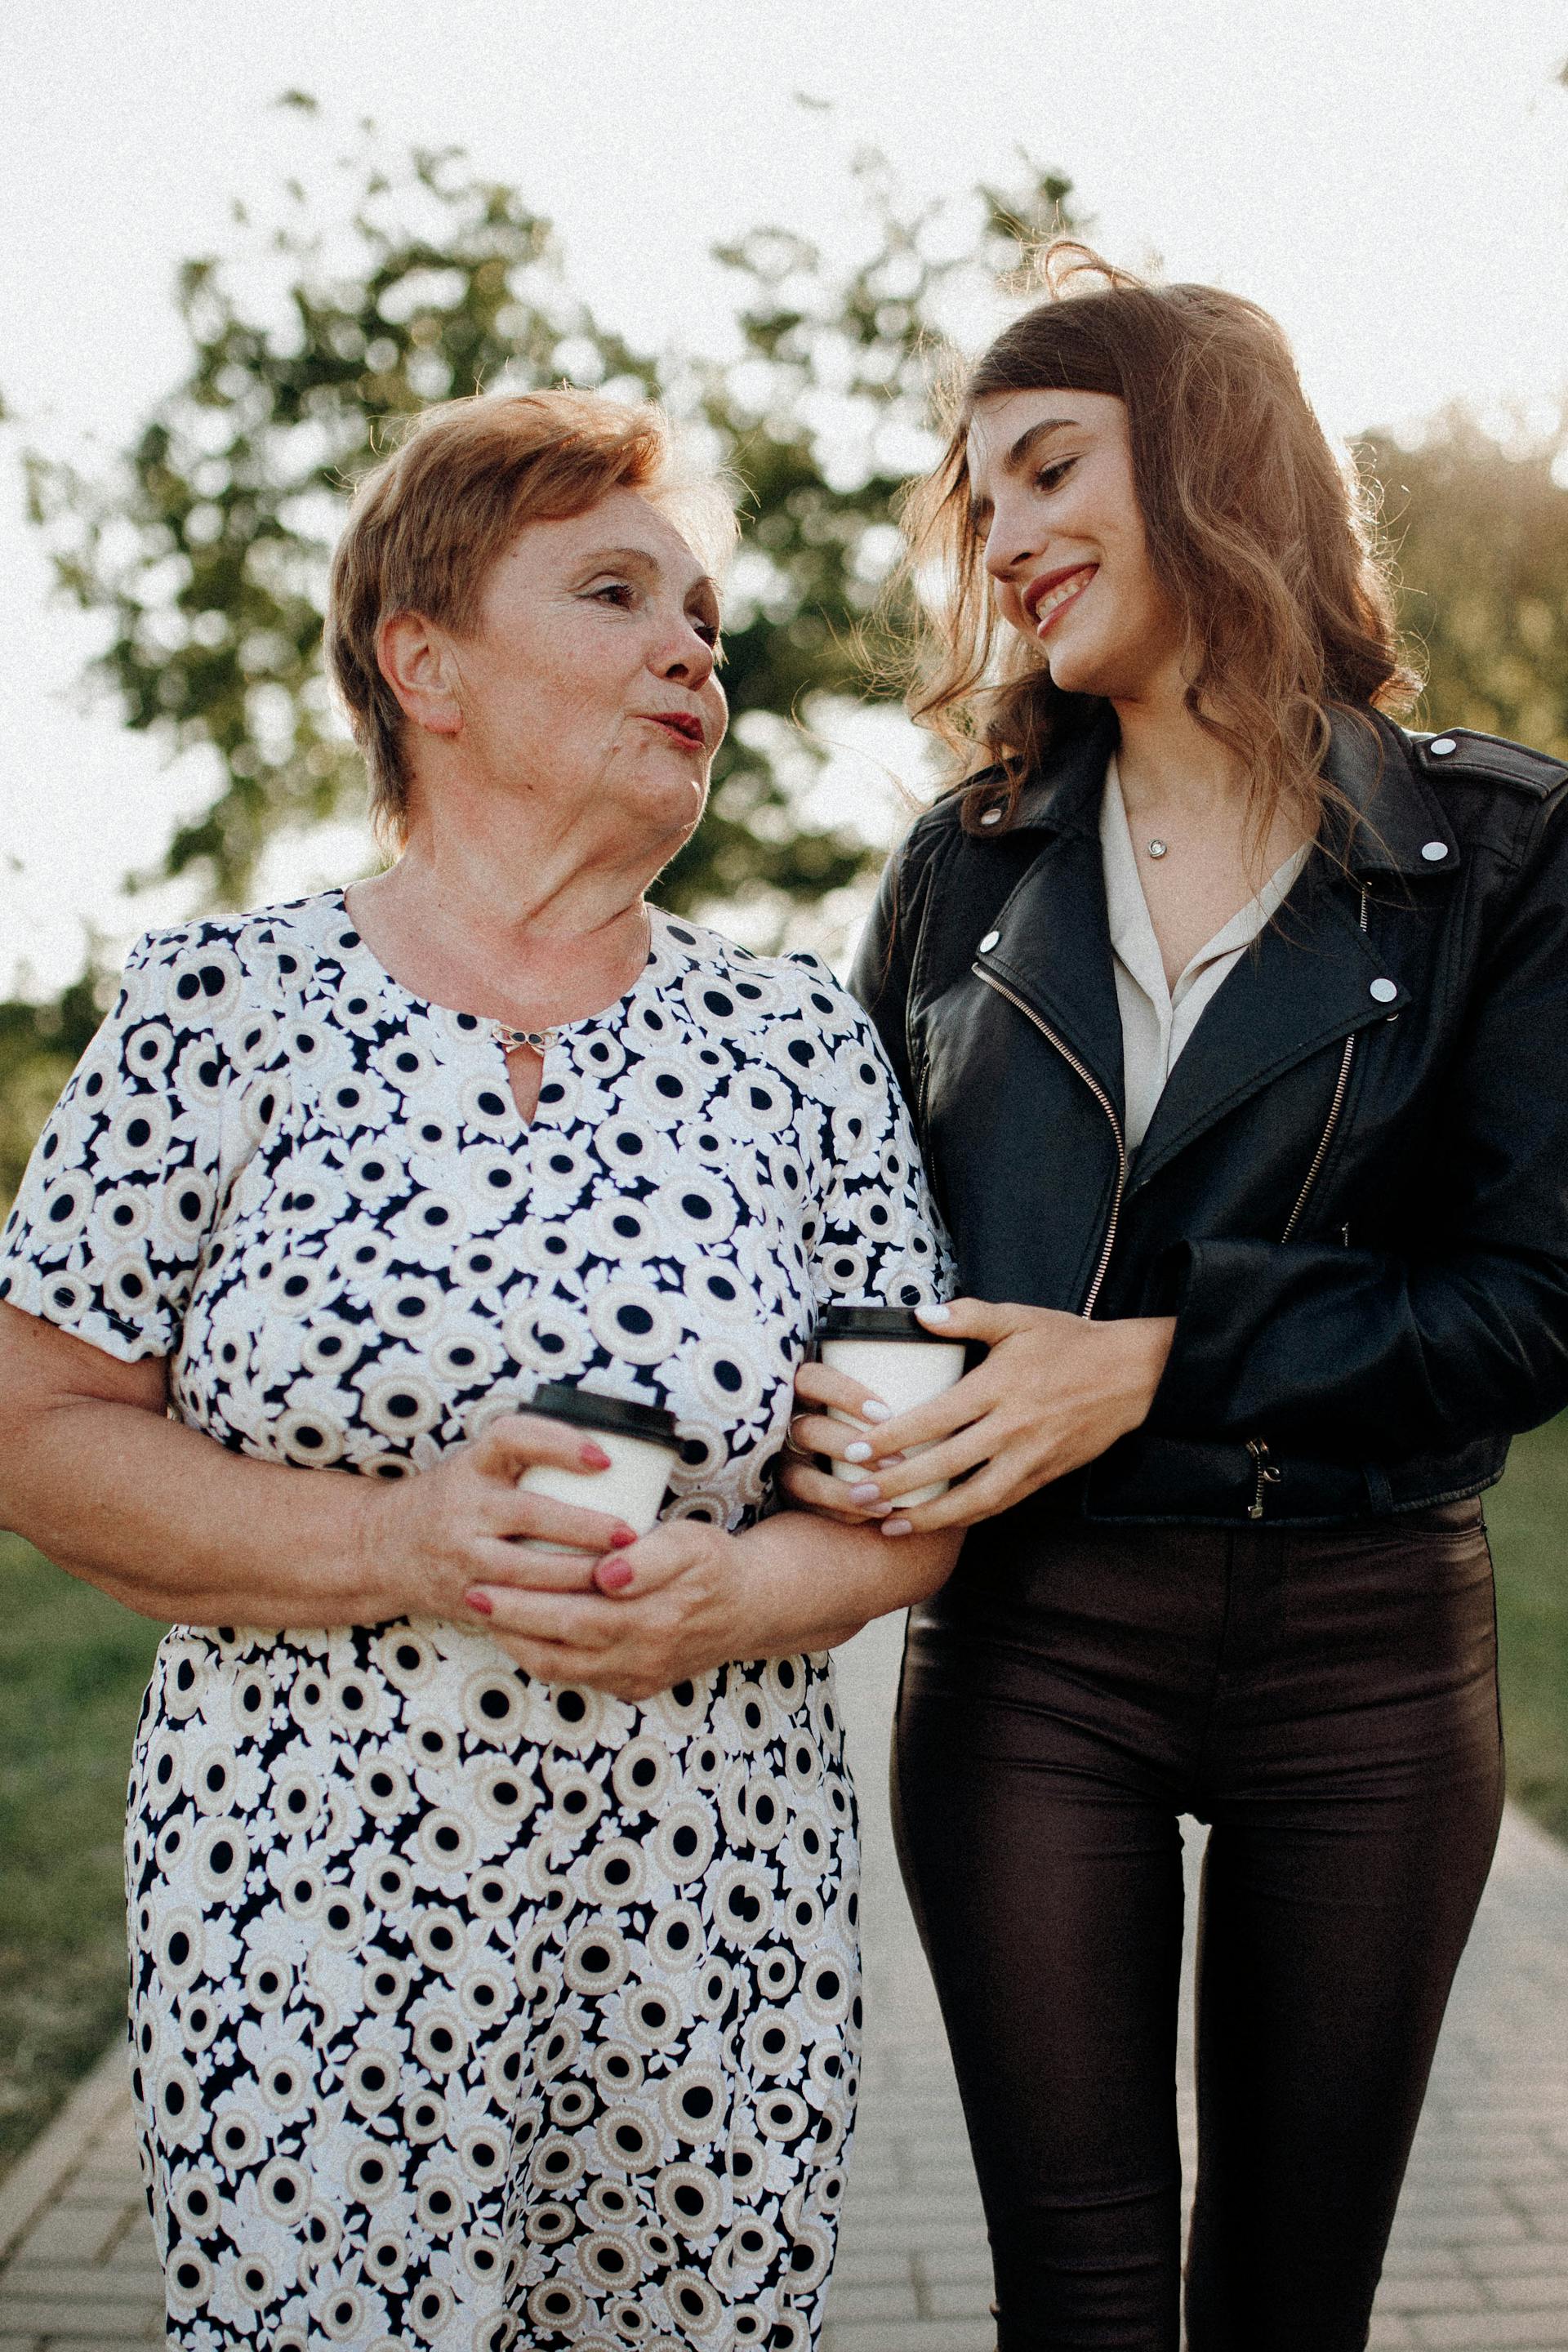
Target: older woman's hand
x=464, y=1521
x=680, y=1615
x=1053, y=1392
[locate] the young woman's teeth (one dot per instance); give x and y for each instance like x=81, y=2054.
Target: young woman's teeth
x=1058, y=595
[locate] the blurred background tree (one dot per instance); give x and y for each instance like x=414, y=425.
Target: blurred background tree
x=204, y=548
x=1480, y=523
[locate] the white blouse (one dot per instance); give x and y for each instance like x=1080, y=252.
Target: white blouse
x=1157, y=1020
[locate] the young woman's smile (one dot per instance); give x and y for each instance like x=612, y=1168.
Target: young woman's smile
x=1047, y=598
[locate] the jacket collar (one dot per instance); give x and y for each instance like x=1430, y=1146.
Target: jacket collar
x=1398, y=820
x=1400, y=825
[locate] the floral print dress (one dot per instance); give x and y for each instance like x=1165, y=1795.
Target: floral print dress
x=469, y=2012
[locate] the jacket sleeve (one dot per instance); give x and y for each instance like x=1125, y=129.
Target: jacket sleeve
x=884, y=964
x=1358, y=1352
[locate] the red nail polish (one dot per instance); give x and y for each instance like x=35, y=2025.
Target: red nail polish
x=593, y=1457
x=613, y=1575
x=481, y=1603
x=622, y=1537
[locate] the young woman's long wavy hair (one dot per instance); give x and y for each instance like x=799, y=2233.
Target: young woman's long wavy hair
x=1264, y=542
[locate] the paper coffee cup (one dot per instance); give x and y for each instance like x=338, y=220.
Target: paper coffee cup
x=642, y=1445
x=889, y=1351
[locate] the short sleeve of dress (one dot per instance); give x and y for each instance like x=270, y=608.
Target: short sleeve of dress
x=108, y=1230
x=878, y=1241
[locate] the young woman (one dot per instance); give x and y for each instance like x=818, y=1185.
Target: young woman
x=1234, y=1021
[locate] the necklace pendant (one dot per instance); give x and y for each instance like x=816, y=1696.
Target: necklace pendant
x=1158, y=848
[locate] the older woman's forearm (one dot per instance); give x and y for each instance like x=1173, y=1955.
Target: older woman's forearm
x=812, y=1583
x=175, y=1526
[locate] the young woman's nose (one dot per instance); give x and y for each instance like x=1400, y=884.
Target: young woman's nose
x=1013, y=541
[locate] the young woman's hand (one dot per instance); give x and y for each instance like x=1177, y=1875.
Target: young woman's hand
x=668, y=1608
x=461, y=1523
x=1053, y=1392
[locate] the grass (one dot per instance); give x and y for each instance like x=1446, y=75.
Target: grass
x=73, y=1665
x=1528, y=1515
x=72, y=1669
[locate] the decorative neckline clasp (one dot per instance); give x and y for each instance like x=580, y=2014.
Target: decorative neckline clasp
x=514, y=1041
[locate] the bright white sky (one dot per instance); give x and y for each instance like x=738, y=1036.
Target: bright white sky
x=1391, y=181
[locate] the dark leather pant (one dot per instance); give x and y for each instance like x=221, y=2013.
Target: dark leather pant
x=1328, y=1702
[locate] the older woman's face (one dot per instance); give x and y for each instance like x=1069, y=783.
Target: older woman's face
x=589, y=683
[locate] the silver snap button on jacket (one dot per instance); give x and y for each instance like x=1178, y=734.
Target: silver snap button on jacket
x=989, y=941
x=1432, y=850
x=1385, y=991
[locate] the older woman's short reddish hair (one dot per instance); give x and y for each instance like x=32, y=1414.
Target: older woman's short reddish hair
x=428, y=524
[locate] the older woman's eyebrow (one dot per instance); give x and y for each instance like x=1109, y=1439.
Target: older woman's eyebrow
x=621, y=559
x=643, y=559
x=1016, y=458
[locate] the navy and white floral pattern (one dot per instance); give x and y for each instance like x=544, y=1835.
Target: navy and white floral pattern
x=467, y=2012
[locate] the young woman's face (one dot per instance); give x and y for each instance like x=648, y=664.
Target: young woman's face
x=1053, y=499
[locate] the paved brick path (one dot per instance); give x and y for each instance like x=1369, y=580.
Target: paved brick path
x=1479, y=2260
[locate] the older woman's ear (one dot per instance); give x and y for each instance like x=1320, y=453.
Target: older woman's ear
x=417, y=661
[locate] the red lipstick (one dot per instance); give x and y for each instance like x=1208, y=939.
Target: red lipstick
x=679, y=723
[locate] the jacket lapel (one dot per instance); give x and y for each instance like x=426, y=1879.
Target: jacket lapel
x=1049, y=948
x=1309, y=981
x=1306, y=985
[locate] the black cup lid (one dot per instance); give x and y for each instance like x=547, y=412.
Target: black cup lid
x=872, y=1323
x=591, y=1409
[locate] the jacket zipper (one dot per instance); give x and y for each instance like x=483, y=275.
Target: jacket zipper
x=1268, y=1474
x=1106, y=1106
x=1328, y=1135
x=1335, y=1108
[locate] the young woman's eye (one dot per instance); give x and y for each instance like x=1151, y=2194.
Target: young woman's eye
x=1050, y=477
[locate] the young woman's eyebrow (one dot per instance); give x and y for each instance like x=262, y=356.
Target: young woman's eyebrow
x=1028, y=441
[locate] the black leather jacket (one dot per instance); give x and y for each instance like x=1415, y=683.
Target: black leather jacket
x=1353, y=1195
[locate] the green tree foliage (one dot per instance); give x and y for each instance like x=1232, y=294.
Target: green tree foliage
x=40, y=1044
x=1480, y=526
x=206, y=548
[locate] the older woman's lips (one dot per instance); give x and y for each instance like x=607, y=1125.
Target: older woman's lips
x=676, y=723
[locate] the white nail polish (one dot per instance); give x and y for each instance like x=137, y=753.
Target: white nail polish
x=858, y=1452
x=874, y=1410
x=934, y=1313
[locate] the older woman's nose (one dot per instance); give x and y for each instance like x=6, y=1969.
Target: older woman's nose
x=685, y=655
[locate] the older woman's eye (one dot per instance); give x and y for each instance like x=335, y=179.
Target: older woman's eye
x=619, y=593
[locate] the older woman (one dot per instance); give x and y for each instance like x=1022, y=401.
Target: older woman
x=474, y=2005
